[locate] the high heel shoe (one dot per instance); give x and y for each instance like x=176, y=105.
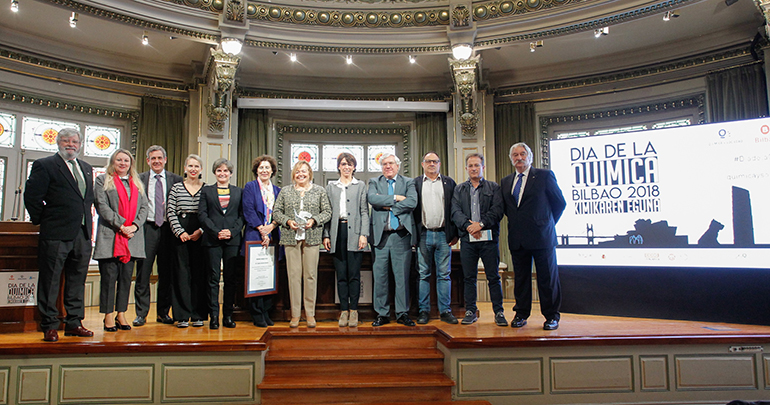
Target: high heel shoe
x=109, y=328
x=120, y=326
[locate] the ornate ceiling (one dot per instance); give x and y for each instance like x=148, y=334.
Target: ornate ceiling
x=105, y=51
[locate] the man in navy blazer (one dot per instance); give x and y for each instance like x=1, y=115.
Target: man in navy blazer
x=392, y=238
x=158, y=239
x=533, y=203
x=436, y=233
x=59, y=195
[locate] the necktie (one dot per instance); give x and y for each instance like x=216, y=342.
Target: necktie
x=391, y=191
x=158, y=200
x=517, y=188
x=78, y=177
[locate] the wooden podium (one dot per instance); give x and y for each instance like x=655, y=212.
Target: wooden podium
x=18, y=252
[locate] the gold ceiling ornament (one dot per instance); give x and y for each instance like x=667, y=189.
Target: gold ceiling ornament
x=461, y=16
x=464, y=74
x=235, y=11
x=222, y=83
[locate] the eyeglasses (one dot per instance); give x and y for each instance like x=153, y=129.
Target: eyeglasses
x=429, y=161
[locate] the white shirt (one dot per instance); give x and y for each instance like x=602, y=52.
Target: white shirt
x=151, y=192
x=343, y=196
x=523, y=183
x=432, y=197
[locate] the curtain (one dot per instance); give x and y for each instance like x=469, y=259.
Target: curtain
x=431, y=135
x=737, y=94
x=513, y=123
x=252, y=142
x=163, y=123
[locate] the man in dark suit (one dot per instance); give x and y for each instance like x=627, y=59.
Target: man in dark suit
x=477, y=208
x=533, y=204
x=437, y=233
x=393, y=198
x=158, y=239
x=58, y=196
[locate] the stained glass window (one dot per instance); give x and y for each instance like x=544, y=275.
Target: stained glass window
x=330, y=153
x=101, y=141
x=7, y=130
x=375, y=152
x=40, y=134
x=306, y=152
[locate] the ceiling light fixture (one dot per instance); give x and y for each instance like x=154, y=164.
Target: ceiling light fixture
x=349, y=59
x=74, y=20
x=232, y=46
x=536, y=44
x=601, y=31
x=145, y=39
x=15, y=6
x=412, y=59
x=462, y=51
x=669, y=15
x=293, y=57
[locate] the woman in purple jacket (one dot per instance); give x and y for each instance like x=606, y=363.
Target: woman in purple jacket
x=258, y=199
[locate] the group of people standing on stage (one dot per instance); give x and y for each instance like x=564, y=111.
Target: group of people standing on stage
x=197, y=233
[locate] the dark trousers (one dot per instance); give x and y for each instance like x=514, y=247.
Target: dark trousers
x=259, y=307
x=548, y=285
x=191, y=285
x=112, y=272
x=55, y=257
x=348, y=266
x=488, y=252
x=157, y=243
x=225, y=257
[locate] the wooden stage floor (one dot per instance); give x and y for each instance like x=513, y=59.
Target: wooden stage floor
x=574, y=329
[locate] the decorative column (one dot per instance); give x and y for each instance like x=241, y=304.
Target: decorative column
x=215, y=123
x=464, y=74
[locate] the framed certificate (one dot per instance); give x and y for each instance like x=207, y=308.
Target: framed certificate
x=261, y=270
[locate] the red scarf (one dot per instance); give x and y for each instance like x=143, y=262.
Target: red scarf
x=127, y=210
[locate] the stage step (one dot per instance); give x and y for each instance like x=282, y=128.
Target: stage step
x=363, y=366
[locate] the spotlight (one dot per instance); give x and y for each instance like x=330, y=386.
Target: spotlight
x=293, y=57
x=462, y=51
x=668, y=15
x=536, y=44
x=15, y=6
x=601, y=31
x=412, y=59
x=232, y=46
x=349, y=59
x=74, y=20
x=145, y=39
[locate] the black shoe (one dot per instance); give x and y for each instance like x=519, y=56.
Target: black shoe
x=518, y=322
x=259, y=321
x=121, y=326
x=500, y=319
x=110, y=328
x=214, y=322
x=470, y=317
x=423, y=318
x=381, y=320
x=448, y=317
x=165, y=319
x=140, y=321
x=268, y=321
x=551, y=324
x=228, y=322
x=404, y=320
